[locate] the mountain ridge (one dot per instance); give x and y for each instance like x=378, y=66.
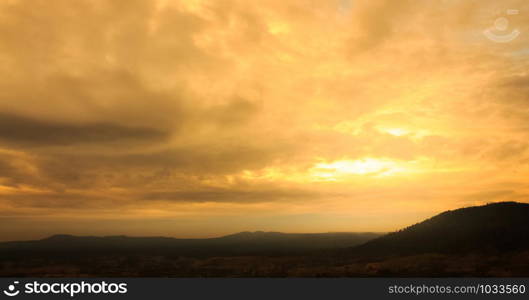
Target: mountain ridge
x=480, y=241
x=242, y=243
x=500, y=226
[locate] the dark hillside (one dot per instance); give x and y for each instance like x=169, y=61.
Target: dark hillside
x=496, y=227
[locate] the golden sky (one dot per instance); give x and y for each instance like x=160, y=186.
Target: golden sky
x=198, y=118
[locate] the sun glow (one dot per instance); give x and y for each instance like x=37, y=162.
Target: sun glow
x=368, y=166
x=397, y=131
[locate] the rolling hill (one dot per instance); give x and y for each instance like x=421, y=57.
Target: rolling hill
x=496, y=227
x=244, y=243
x=483, y=241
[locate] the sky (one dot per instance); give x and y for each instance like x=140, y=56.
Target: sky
x=202, y=118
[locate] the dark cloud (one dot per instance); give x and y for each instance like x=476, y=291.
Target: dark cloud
x=59, y=200
x=254, y=195
x=167, y=167
x=20, y=130
x=17, y=169
x=513, y=90
x=510, y=150
x=121, y=29
x=235, y=112
x=378, y=22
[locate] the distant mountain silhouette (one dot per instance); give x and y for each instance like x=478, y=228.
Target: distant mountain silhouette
x=483, y=241
x=493, y=227
x=243, y=243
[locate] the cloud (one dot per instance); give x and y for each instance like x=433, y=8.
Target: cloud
x=25, y=131
x=254, y=195
x=377, y=21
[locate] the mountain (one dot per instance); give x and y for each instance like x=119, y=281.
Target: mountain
x=496, y=227
x=483, y=241
x=244, y=243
